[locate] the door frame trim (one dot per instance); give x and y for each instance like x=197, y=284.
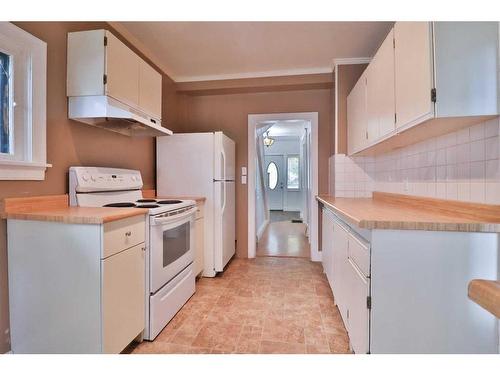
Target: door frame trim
x=253, y=121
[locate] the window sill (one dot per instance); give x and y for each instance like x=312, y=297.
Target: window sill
x=11, y=170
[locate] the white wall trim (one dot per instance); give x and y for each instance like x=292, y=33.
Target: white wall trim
x=263, y=74
x=351, y=61
x=29, y=160
x=262, y=228
x=253, y=121
x=336, y=106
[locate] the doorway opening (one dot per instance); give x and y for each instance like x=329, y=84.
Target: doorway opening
x=283, y=179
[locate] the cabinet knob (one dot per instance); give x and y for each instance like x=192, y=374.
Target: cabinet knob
x=128, y=234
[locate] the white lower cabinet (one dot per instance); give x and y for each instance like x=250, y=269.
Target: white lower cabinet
x=199, y=240
x=339, y=256
x=405, y=291
x=76, y=288
x=327, y=245
x=123, y=286
x=358, y=314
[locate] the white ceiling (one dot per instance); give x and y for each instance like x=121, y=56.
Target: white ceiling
x=289, y=128
x=196, y=51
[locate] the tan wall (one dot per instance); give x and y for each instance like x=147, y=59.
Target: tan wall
x=72, y=143
x=347, y=76
x=229, y=113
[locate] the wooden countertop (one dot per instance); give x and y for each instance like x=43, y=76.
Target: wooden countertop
x=395, y=211
x=486, y=293
x=56, y=208
x=198, y=200
x=151, y=193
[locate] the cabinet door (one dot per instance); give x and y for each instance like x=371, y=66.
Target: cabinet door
x=199, y=246
x=327, y=245
x=122, y=70
x=358, y=312
x=385, y=86
x=123, y=296
x=413, y=72
x=149, y=90
x=372, y=100
x=356, y=116
x=339, y=260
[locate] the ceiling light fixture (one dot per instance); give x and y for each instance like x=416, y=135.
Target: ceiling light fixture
x=268, y=141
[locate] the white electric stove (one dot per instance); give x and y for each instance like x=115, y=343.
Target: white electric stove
x=170, y=278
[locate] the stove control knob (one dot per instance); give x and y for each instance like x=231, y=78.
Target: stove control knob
x=85, y=177
x=92, y=177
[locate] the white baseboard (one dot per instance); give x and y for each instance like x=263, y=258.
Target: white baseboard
x=262, y=228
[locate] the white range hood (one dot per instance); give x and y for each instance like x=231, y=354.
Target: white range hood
x=105, y=112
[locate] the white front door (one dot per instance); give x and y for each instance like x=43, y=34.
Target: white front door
x=275, y=180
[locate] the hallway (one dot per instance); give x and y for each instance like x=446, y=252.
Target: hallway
x=262, y=305
x=284, y=239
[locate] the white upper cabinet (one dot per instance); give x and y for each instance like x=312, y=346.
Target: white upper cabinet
x=100, y=64
x=426, y=79
x=372, y=102
x=122, y=71
x=412, y=72
x=380, y=91
x=384, y=83
x=357, y=136
x=149, y=89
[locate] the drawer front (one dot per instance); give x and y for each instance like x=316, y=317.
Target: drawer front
x=122, y=234
x=169, y=300
x=359, y=253
x=199, y=210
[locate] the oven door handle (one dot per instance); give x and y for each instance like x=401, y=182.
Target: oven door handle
x=170, y=219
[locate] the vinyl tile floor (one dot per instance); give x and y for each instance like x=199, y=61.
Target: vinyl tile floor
x=261, y=305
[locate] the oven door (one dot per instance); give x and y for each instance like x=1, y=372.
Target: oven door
x=171, y=246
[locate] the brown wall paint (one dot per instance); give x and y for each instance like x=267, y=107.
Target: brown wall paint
x=72, y=143
x=346, y=78
x=229, y=113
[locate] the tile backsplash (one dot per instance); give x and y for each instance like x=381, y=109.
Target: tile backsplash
x=463, y=165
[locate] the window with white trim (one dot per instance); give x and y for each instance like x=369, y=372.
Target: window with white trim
x=293, y=172
x=23, y=86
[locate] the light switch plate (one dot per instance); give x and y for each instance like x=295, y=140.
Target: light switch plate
x=243, y=171
x=243, y=180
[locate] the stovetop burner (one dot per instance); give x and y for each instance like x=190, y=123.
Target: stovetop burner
x=120, y=204
x=147, y=206
x=146, y=200
x=169, y=201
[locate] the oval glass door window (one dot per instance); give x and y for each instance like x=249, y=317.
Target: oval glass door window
x=272, y=175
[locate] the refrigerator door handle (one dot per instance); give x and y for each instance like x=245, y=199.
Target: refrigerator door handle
x=223, y=196
x=223, y=164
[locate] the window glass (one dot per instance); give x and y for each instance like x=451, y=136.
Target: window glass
x=5, y=104
x=292, y=177
x=272, y=175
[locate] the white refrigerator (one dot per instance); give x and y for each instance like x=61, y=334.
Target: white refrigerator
x=203, y=164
